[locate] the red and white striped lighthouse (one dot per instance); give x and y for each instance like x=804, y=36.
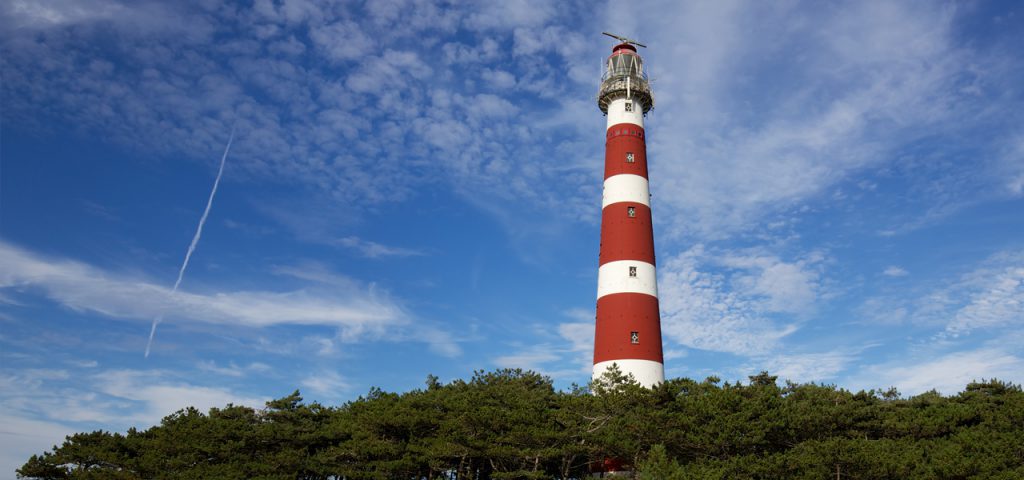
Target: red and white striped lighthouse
x=628, y=331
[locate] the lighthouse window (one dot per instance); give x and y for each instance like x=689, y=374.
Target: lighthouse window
x=629, y=106
x=634, y=337
x=631, y=211
x=632, y=271
x=629, y=157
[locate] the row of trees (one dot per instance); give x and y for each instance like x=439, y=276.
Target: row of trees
x=513, y=424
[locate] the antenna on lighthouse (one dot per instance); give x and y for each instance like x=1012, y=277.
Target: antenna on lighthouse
x=625, y=40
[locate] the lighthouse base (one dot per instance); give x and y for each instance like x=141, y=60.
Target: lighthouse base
x=611, y=468
x=647, y=373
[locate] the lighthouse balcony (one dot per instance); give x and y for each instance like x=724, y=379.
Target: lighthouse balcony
x=635, y=87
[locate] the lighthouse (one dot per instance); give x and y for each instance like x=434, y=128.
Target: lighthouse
x=628, y=326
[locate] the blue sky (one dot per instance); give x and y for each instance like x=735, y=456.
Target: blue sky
x=414, y=189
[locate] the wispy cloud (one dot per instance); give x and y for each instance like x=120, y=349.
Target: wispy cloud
x=326, y=383
x=995, y=296
x=734, y=310
x=580, y=336
x=372, y=249
x=233, y=370
x=568, y=358
x=20, y=438
x=789, y=287
x=869, y=80
x=316, y=272
x=533, y=358
x=79, y=286
x=151, y=399
x=765, y=111
x=988, y=298
x=117, y=397
x=805, y=367
x=353, y=141
x=727, y=153
x=894, y=271
x=1012, y=170
x=56, y=13
x=948, y=373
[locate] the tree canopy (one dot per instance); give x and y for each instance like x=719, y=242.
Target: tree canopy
x=513, y=424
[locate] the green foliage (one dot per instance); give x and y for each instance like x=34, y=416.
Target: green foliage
x=657, y=465
x=512, y=424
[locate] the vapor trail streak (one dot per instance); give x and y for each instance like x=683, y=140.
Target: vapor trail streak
x=195, y=239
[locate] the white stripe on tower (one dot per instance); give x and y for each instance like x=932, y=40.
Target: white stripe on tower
x=617, y=113
x=614, y=277
x=646, y=372
x=626, y=187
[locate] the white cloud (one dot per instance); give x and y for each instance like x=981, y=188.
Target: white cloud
x=733, y=310
x=672, y=353
x=763, y=108
x=803, y=367
x=342, y=40
x=325, y=346
x=60, y=12
x=989, y=298
x=510, y=14
x=357, y=311
x=894, y=271
x=580, y=335
x=439, y=341
x=372, y=249
x=40, y=408
x=20, y=438
x=570, y=358
x=532, y=358
x=326, y=383
x=883, y=310
x=317, y=272
x=996, y=297
x=233, y=370
x=392, y=70
x=785, y=287
x=948, y=374
x=154, y=394
x=498, y=79
x=580, y=350
x=8, y=300
x=44, y=374
x=357, y=117
x=364, y=126
x=1011, y=170
x=869, y=78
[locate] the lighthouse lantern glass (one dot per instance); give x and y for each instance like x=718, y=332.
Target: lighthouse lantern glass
x=623, y=64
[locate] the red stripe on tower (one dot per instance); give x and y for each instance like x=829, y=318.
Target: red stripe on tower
x=628, y=329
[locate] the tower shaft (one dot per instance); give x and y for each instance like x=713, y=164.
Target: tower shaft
x=628, y=327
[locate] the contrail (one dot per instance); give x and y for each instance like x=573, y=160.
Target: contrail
x=195, y=238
